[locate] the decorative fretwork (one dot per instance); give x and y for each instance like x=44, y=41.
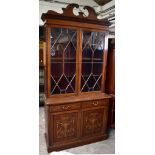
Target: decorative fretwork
x=63, y=88
x=63, y=41
x=95, y=84
x=92, y=61
x=63, y=60
x=68, y=14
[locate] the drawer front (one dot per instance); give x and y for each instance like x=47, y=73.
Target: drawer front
x=95, y=103
x=65, y=107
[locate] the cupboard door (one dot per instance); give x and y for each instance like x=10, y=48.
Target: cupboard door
x=65, y=127
x=92, y=60
x=93, y=122
x=63, y=60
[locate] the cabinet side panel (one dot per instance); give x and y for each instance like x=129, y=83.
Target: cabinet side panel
x=46, y=110
x=105, y=119
x=47, y=68
x=105, y=63
x=110, y=80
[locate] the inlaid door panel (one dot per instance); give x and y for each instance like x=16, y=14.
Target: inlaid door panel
x=93, y=121
x=65, y=126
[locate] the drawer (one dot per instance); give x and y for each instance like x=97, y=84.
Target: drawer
x=95, y=103
x=65, y=107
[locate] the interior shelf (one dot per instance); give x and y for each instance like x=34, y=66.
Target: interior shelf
x=96, y=59
x=62, y=58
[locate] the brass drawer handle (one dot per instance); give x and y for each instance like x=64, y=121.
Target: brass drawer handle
x=95, y=103
x=65, y=107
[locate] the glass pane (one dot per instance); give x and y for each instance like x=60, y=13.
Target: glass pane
x=92, y=61
x=63, y=60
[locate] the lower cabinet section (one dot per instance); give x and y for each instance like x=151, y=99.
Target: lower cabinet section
x=76, y=126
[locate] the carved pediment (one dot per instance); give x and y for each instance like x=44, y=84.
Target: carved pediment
x=81, y=17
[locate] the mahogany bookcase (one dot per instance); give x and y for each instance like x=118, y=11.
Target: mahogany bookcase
x=76, y=105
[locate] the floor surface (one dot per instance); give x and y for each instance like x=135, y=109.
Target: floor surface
x=102, y=147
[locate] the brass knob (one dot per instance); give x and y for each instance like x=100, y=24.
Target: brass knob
x=95, y=103
x=65, y=107
x=41, y=60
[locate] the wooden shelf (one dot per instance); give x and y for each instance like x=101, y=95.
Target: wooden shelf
x=84, y=59
x=92, y=63
x=96, y=59
x=62, y=58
